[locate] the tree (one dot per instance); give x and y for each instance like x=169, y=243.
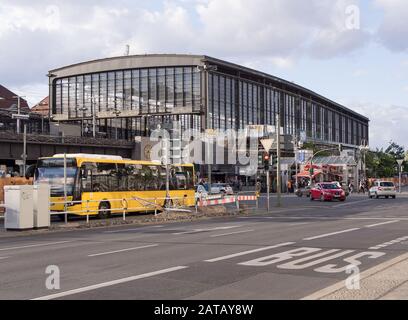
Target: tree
x=383, y=164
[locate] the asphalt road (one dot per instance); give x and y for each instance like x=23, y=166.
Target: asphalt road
x=289, y=253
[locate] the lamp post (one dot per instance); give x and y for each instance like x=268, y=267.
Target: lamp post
x=206, y=69
x=400, y=162
x=18, y=111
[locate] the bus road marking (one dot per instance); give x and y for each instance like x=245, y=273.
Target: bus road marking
x=122, y=250
x=238, y=254
x=109, y=283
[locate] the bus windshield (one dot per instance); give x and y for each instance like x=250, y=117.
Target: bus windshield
x=51, y=171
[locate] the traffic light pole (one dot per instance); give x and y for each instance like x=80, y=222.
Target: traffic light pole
x=268, y=186
x=278, y=162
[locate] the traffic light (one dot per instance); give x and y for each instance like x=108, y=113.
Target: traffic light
x=266, y=160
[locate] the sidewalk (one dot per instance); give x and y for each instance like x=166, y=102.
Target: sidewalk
x=386, y=281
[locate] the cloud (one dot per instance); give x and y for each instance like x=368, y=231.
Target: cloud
x=41, y=35
x=393, y=31
x=387, y=123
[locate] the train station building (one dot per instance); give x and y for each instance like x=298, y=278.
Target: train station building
x=127, y=97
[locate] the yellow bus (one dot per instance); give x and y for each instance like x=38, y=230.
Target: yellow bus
x=104, y=185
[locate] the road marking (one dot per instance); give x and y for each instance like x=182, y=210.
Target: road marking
x=330, y=234
x=227, y=234
x=350, y=203
x=109, y=283
x=327, y=218
x=381, y=223
x=133, y=229
x=2, y=258
x=123, y=250
x=298, y=224
x=341, y=284
x=389, y=243
x=238, y=254
x=204, y=230
x=35, y=245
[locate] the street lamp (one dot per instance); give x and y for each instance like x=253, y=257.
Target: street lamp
x=18, y=110
x=400, y=162
x=206, y=68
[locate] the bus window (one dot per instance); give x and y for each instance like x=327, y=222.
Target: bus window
x=86, y=177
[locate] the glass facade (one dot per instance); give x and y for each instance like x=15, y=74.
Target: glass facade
x=166, y=94
x=147, y=92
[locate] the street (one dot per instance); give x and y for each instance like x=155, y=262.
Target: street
x=290, y=253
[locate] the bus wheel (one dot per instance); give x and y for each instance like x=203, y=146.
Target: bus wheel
x=104, y=210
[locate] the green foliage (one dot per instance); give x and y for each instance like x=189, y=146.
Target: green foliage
x=382, y=163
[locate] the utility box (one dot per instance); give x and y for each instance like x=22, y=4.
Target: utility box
x=41, y=198
x=19, y=207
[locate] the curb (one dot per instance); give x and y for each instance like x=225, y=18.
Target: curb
x=365, y=275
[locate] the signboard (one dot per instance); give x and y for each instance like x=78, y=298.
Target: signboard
x=267, y=143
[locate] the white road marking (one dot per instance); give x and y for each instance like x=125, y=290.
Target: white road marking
x=227, y=234
x=133, y=229
x=35, y=245
x=123, y=250
x=389, y=243
x=238, y=254
x=327, y=218
x=330, y=234
x=209, y=229
x=2, y=258
x=381, y=223
x=109, y=283
x=298, y=224
x=350, y=203
x=365, y=274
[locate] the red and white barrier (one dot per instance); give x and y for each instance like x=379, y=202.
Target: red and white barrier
x=208, y=202
x=247, y=198
x=204, y=203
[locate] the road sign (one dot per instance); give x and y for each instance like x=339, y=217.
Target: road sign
x=20, y=116
x=267, y=144
x=400, y=162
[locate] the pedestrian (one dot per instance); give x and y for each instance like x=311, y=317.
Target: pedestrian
x=351, y=187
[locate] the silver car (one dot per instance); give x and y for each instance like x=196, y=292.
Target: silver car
x=221, y=188
x=382, y=189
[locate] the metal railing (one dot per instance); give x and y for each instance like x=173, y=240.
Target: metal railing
x=12, y=136
x=147, y=204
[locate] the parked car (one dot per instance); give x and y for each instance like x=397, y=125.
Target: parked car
x=327, y=191
x=382, y=189
x=221, y=188
x=304, y=191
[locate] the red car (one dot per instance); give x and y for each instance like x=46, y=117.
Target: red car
x=327, y=191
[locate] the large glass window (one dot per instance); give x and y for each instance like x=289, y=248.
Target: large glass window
x=152, y=91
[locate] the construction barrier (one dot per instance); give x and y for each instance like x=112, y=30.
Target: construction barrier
x=247, y=198
x=204, y=203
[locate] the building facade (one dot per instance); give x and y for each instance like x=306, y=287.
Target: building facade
x=128, y=96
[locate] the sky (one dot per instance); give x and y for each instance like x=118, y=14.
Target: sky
x=354, y=52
